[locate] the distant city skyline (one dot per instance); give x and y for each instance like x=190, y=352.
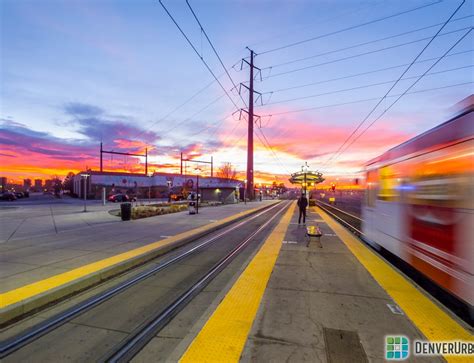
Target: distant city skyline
x=78, y=73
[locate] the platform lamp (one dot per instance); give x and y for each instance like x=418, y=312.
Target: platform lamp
x=84, y=177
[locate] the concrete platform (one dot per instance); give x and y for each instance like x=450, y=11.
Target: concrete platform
x=322, y=303
x=39, y=268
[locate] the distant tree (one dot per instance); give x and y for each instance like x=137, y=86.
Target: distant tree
x=226, y=171
x=282, y=188
x=68, y=183
x=57, y=185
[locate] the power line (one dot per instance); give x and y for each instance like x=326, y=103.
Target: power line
x=361, y=74
x=269, y=148
x=362, y=44
x=396, y=82
x=193, y=115
x=349, y=28
x=363, y=86
x=319, y=22
x=361, y=100
x=284, y=132
x=404, y=93
x=196, y=51
x=175, y=109
x=214, y=49
x=358, y=55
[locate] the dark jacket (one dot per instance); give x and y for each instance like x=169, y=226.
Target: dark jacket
x=302, y=202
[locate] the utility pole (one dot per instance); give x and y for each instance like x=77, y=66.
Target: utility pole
x=251, y=120
x=101, y=150
x=250, y=134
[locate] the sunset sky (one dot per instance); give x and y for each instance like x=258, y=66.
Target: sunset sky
x=75, y=73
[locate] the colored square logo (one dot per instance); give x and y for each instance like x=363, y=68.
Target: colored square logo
x=396, y=348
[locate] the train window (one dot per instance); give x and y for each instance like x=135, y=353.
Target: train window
x=389, y=181
x=371, y=191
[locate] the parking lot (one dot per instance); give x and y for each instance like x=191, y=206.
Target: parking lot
x=42, y=214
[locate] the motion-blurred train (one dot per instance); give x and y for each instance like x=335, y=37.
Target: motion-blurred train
x=419, y=203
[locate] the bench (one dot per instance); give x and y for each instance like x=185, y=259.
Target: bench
x=313, y=231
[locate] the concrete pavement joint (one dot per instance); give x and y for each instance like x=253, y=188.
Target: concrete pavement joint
x=16, y=229
x=32, y=297
x=329, y=293
x=54, y=222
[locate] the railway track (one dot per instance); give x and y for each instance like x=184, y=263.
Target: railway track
x=125, y=349
x=350, y=221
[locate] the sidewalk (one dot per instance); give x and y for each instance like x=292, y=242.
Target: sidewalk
x=23, y=218
x=38, y=252
x=294, y=303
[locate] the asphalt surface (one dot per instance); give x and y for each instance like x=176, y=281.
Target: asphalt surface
x=91, y=335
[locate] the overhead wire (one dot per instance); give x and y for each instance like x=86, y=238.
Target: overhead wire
x=364, y=43
x=269, y=148
x=396, y=82
x=197, y=53
x=350, y=28
x=362, y=86
x=214, y=49
x=361, y=74
x=360, y=100
x=359, y=55
x=207, y=66
x=402, y=94
x=235, y=86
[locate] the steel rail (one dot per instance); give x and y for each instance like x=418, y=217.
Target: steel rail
x=137, y=340
x=340, y=210
x=13, y=344
x=324, y=206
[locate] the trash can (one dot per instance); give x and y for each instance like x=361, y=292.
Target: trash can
x=126, y=211
x=192, y=207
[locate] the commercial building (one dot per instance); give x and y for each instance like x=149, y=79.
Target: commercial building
x=3, y=183
x=26, y=184
x=38, y=185
x=158, y=185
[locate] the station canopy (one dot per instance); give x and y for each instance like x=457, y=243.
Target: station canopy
x=312, y=177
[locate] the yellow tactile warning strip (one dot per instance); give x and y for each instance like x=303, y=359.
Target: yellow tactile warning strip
x=28, y=291
x=431, y=320
x=223, y=337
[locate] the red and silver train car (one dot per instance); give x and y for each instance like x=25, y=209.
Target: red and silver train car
x=419, y=203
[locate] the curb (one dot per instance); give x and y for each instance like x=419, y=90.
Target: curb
x=31, y=305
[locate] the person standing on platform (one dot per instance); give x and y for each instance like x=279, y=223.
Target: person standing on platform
x=302, y=204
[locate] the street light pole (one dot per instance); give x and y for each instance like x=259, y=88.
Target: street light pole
x=169, y=190
x=197, y=193
x=304, y=168
x=84, y=177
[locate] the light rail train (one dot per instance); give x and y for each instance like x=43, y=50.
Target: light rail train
x=419, y=203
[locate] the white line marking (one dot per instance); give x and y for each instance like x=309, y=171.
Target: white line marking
x=290, y=242
x=395, y=309
x=165, y=236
